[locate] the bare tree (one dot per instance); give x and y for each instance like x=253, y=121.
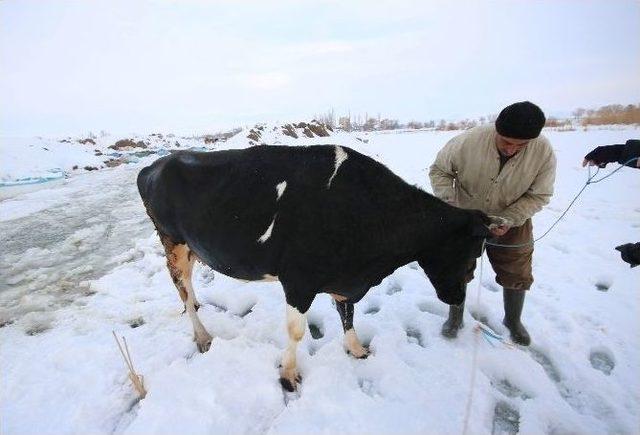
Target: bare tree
x=345, y=123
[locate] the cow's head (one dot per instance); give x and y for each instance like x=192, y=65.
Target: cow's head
x=448, y=265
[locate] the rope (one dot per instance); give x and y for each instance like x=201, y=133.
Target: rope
x=590, y=180
x=474, y=361
x=487, y=332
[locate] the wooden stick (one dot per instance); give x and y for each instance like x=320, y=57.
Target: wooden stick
x=136, y=379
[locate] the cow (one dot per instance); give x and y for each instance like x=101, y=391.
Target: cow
x=319, y=219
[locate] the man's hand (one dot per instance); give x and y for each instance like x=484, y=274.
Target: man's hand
x=602, y=155
x=500, y=230
x=630, y=253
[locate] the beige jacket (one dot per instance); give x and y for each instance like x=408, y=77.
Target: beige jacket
x=467, y=173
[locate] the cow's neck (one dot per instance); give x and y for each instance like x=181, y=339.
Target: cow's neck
x=426, y=222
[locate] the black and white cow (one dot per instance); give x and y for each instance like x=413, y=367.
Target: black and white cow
x=320, y=219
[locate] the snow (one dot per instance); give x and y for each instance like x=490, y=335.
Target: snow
x=80, y=259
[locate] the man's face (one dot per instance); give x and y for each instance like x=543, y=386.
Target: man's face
x=508, y=146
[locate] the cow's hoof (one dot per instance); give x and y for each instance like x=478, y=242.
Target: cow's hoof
x=204, y=344
x=204, y=347
x=289, y=384
x=360, y=354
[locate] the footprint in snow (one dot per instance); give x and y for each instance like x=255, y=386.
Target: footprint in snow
x=394, y=288
x=217, y=306
x=507, y=388
x=439, y=310
x=206, y=275
x=134, y=323
x=574, y=397
x=548, y=367
x=246, y=310
x=372, y=309
x=414, y=336
x=316, y=329
x=36, y=330
x=368, y=387
x=602, y=286
x=602, y=359
x=506, y=419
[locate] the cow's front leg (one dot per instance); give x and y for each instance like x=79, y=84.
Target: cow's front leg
x=296, y=324
x=351, y=342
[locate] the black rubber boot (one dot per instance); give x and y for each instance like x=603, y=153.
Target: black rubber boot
x=454, y=323
x=513, y=302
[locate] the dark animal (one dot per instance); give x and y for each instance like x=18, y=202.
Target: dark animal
x=320, y=219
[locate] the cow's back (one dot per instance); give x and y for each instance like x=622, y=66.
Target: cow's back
x=232, y=207
x=248, y=213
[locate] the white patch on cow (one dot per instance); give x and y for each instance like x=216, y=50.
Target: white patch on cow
x=280, y=189
x=267, y=277
x=341, y=156
x=263, y=238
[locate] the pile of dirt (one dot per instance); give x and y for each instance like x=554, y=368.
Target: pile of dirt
x=289, y=130
x=314, y=128
x=255, y=134
x=126, y=144
x=309, y=129
x=295, y=130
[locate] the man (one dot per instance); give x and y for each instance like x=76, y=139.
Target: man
x=505, y=169
x=627, y=154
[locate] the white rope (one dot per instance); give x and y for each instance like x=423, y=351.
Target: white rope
x=591, y=179
x=474, y=361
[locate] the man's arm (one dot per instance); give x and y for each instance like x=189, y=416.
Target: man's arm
x=442, y=174
x=536, y=197
x=624, y=154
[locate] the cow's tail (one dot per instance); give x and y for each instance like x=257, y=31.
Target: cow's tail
x=144, y=182
x=145, y=185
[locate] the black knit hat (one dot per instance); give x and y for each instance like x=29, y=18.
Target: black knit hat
x=522, y=120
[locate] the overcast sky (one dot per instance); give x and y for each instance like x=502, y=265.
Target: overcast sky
x=190, y=66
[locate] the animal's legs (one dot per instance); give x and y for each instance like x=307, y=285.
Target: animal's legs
x=296, y=325
x=180, y=262
x=351, y=342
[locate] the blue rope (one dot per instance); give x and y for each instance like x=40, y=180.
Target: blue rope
x=590, y=180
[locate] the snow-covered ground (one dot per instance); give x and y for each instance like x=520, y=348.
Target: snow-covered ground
x=80, y=259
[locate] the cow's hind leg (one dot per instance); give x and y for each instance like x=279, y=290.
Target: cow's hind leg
x=180, y=262
x=296, y=325
x=351, y=342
